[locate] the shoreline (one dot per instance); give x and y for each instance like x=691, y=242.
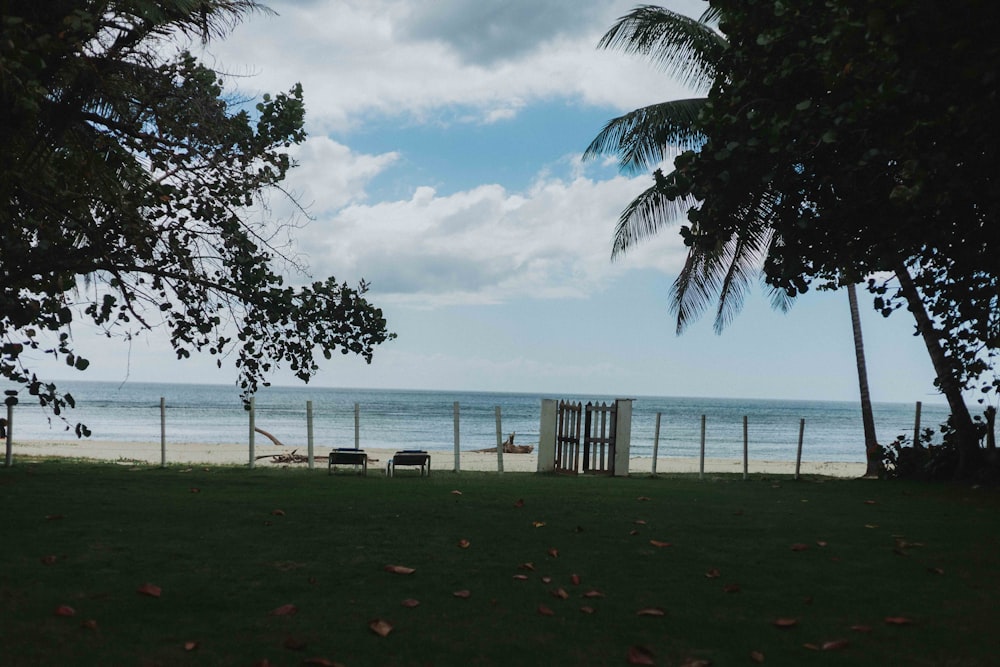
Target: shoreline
x=238, y=454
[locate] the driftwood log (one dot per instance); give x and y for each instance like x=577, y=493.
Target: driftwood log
x=268, y=436
x=510, y=448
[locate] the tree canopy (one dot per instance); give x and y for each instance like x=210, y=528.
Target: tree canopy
x=134, y=194
x=863, y=135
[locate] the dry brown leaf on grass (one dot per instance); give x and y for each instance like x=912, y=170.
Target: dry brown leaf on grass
x=639, y=655
x=89, y=624
x=560, y=593
x=463, y=544
x=399, y=569
x=546, y=580
x=65, y=610
x=574, y=579
x=464, y=594
x=48, y=560
x=898, y=620
x=833, y=645
x=284, y=610
x=321, y=662
x=660, y=544
x=553, y=552
x=643, y=498
x=731, y=588
x=696, y=662
x=799, y=546
x=521, y=577
x=519, y=502
x=381, y=627
x=295, y=643
x=713, y=573
x=410, y=602
x=278, y=512
x=537, y=524
x=593, y=593
x=785, y=622
x=151, y=590
x=456, y=492
x=190, y=646
x=757, y=657
x=861, y=628
x=545, y=611
x=526, y=566
x=587, y=609
x=651, y=611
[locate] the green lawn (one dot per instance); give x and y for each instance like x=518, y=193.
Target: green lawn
x=229, y=548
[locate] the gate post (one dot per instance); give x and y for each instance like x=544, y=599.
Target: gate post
x=547, y=436
x=623, y=435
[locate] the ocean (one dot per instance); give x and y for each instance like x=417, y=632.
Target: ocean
x=413, y=419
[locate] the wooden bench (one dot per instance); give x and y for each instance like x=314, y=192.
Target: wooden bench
x=345, y=456
x=410, y=457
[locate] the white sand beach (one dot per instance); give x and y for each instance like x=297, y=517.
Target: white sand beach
x=238, y=454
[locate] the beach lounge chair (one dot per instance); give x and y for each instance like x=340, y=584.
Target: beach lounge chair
x=409, y=457
x=346, y=456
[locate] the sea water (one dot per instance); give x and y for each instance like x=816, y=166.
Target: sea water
x=412, y=419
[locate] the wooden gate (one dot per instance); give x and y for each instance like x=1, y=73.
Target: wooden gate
x=597, y=440
x=568, y=437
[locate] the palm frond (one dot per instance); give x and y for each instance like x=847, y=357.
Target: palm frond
x=644, y=217
x=643, y=138
x=695, y=287
x=685, y=48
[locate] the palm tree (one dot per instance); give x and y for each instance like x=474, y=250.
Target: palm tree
x=693, y=50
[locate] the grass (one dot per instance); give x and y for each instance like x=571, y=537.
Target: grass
x=229, y=546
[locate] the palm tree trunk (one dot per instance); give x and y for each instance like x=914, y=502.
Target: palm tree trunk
x=947, y=374
x=867, y=416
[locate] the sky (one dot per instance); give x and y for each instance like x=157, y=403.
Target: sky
x=443, y=165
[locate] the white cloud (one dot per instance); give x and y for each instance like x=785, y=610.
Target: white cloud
x=403, y=58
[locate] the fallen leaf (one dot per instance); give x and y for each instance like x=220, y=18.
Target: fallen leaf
x=521, y=577
x=799, y=546
x=586, y=609
x=785, y=622
x=731, y=588
x=380, y=627
x=834, y=645
x=545, y=611
x=48, y=560
x=643, y=498
x=537, y=524
x=861, y=628
x=640, y=655
x=284, y=610
x=456, y=492
x=190, y=646
x=757, y=657
x=658, y=543
x=713, y=573
x=639, y=522
x=526, y=566
x=821, y=543
x=195, y=489
x=464, y=544
x=560, y=593
x=871, y=525
x=869, y=502
x=696, y=662
x=278, y=512
x=811, y=646
x=574, y=579
x=90, y=624
x=650, y=611
x=554, y=552
x=633, y=532
x=321, y=662
x=546, y=580
x=464, y=594
x=65, y=610
x=152, y=590
x=935, y=570
x=898, y=620
x=593, y=594
x=411, y=603
x=519, y=502
x=399, y=569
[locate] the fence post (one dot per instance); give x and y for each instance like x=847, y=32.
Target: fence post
x=458, y=458
x=357, y=426
x=746, y=472
x=798, y=456
x=701, y=458
x=916, y=427
x=499, y=442
x=163, y=432
x=9, y=456
x=252, y=428
x=656, y=442
x=309, y=433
